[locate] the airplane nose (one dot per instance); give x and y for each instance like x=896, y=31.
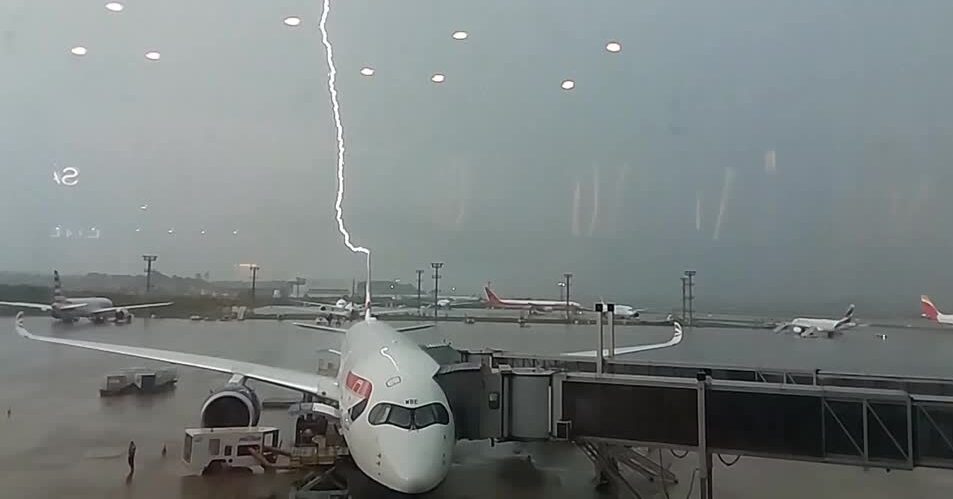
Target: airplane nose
x=416, y=475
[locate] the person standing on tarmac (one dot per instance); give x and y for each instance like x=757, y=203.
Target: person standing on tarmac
x=131, y=457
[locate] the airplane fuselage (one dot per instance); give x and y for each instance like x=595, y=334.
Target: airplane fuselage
x=394, y=415
x=90, y=306
x=532, y=304
x=818, y=324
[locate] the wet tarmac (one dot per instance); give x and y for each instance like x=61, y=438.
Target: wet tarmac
x=63, y=440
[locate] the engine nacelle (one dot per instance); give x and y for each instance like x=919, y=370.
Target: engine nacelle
x=123, y=315
x=231, y=405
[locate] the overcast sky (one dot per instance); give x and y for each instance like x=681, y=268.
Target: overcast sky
x=818, y=133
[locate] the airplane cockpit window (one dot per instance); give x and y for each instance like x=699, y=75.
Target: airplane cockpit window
x=357, y=409
x=408, y=418
x=429, y=414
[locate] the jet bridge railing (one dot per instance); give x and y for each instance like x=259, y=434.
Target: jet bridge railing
x=921, y=385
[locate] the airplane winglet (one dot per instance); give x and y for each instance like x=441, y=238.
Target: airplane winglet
x=675, y=340
x=20, y=328
x=319, y=327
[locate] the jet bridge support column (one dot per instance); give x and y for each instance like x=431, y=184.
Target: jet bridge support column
x=704, y=456
x=600, y=359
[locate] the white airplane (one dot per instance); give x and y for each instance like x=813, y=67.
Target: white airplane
x=347, y=310
x=627, y=312
x=494, y=301
x=809, y=327
x=449, y=302
x=930, y=311
x=394, y=416
x=96, y=309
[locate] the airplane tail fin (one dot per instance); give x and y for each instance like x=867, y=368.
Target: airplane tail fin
x=927, y=308
x=848, y=316
x=58, y=297
x=491, y=296
x=850, y=312
x=367, y=291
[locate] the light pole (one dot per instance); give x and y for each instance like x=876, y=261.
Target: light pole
x=149, y=259
x=684, y=299
x=420, y=273
x=690, y=274
x=254, y=277
x=568, y=276
x=436, y=286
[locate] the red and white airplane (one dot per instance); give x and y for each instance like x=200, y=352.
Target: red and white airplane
x=494, y=301
x=394, y=415
x=929, y=310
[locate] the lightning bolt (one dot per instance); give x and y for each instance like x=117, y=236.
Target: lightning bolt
x=336, y=111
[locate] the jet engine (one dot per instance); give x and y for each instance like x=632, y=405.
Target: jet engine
x=232, y=405
x=123, y=315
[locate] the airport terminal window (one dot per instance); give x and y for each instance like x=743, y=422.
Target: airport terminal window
x=406, y=417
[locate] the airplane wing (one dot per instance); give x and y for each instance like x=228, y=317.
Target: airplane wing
x=328, y=329
x=46, y=307
x=676, y=339
x=301, y=381
x=130, y=307
x=415, y=327
x=313, y=303
x=393, y=311
x=319, y=327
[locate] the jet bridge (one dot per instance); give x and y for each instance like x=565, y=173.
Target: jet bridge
x=787, y=416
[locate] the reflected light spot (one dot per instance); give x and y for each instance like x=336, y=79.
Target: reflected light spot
x=114, y=6
x=144, y=206
x=614, y=47
x=203, y=232
x=568, y=85
x=292, y=21
x=78, y=50
x=138, y=229
x=235, y=232
x=460, y=35
x=366, y=71
x=171, y=231
x=438, y=78
x=153, y=55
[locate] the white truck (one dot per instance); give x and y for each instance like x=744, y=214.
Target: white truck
x=213, y=450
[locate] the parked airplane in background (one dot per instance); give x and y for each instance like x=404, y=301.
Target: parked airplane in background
x=96, y=309
x=809, y=327
x=449, y=302
x=346, y=310
x=930, y=311
x=627, y=312
x=533, y=305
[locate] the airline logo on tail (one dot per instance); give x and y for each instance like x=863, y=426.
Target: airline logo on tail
x=928, y=309
x=491, y=296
